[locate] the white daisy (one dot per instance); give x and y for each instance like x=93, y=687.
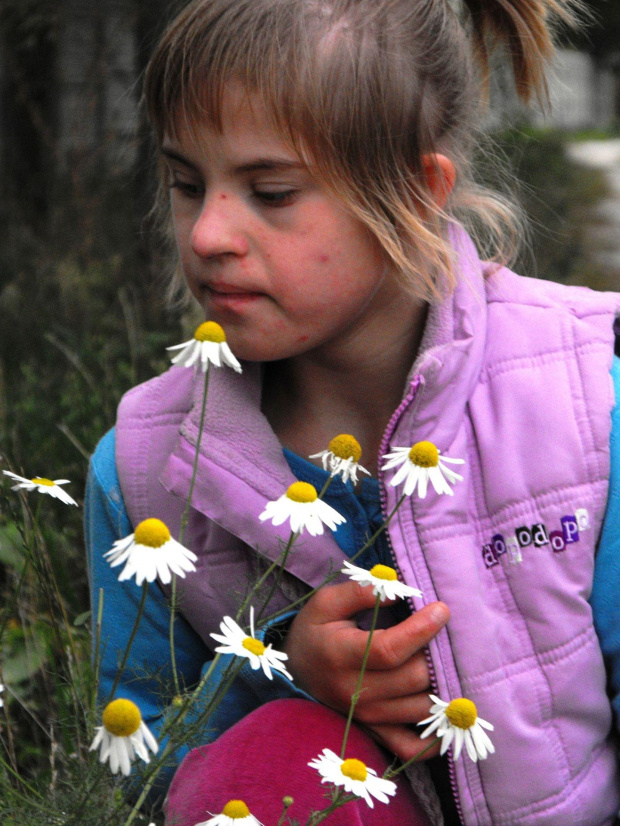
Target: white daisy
x=342, y=457
x=456, y=723
x=207, y=347
x=236, y=641
x=419, y=464
x=354, y=776
x=234, y=813
x=43, y=485
x=151, y=552
x=384, y=581
x=123, y=736
x=305, y=510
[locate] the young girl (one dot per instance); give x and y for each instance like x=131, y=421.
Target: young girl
x=316, y=153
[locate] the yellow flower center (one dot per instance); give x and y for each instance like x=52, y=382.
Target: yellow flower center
x=121, y=718
x=345, y=447
x=210, y=331
x=152, y=533
x=301, y=492
x=384, y=572
x=462, y=713
x=235, y=809
x=424, y=454
x=354, y=769
x=254, y=646
x=39, y=480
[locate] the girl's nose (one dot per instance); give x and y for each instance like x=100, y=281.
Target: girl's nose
x=217, y=229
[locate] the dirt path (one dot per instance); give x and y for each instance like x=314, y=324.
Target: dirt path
x=603, y=234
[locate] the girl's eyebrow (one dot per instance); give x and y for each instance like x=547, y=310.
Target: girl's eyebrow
x=267, y=164
x=176, y=156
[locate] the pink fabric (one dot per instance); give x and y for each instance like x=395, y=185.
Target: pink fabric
x=264, y=757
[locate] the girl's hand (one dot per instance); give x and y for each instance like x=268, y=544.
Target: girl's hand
x=325, y=649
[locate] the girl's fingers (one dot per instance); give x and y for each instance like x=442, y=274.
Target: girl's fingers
x=391, y=647
x=403, y=741
x=407, y=680
x=334, y=603
x=398, y=711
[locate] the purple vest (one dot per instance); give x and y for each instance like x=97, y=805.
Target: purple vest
x=513, y=376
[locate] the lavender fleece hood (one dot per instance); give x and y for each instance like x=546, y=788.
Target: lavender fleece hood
x=512, y=376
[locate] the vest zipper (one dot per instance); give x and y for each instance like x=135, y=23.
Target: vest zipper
x=391, y=427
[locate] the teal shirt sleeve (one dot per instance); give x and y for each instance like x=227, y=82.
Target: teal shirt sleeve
x=605, y=598
x=147, y=677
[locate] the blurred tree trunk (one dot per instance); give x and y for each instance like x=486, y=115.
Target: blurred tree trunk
x=69, y=106
x=28, y=30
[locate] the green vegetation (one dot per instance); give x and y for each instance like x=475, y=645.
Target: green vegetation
x=557, y=197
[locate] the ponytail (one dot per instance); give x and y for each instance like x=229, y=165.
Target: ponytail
x=526, y=29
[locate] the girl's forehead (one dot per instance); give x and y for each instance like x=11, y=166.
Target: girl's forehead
x=244, y=125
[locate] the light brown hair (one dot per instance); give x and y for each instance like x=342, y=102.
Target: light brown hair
x=368, y=87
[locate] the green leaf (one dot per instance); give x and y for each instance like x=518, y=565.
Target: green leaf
x=11, y=547
x=82, y=618
x=25, y=656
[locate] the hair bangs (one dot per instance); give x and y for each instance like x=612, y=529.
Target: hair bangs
x=212, y=45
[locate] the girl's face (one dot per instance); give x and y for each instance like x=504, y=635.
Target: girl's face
x=266, y=250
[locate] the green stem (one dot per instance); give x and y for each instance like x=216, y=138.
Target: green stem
x=358, y=688
x=338, y=801
x=280, y=567
x=328, y=482
x=184, y=520
x=97, y=663
x=43, y=569
x=379, y=531
x=201, y=425
x=134, y=630
x=190, y=698
x=148, y=786
x=230, y=675
x=389, y=773
x=8, y=610
x=173, y=613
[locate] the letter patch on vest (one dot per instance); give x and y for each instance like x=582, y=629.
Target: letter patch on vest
x=535, y=537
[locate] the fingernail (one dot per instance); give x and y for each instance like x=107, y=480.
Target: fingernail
x=439, y=613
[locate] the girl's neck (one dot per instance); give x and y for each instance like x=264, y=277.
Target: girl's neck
x=353, y=387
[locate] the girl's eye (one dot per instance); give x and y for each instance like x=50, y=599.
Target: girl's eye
x=187, y=188
x=275, y=197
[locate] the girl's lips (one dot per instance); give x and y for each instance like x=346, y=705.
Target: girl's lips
x=231, y=296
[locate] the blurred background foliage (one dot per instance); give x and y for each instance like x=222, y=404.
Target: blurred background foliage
x=82, y=312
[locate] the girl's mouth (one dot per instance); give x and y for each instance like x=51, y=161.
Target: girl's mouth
x=228, y=297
